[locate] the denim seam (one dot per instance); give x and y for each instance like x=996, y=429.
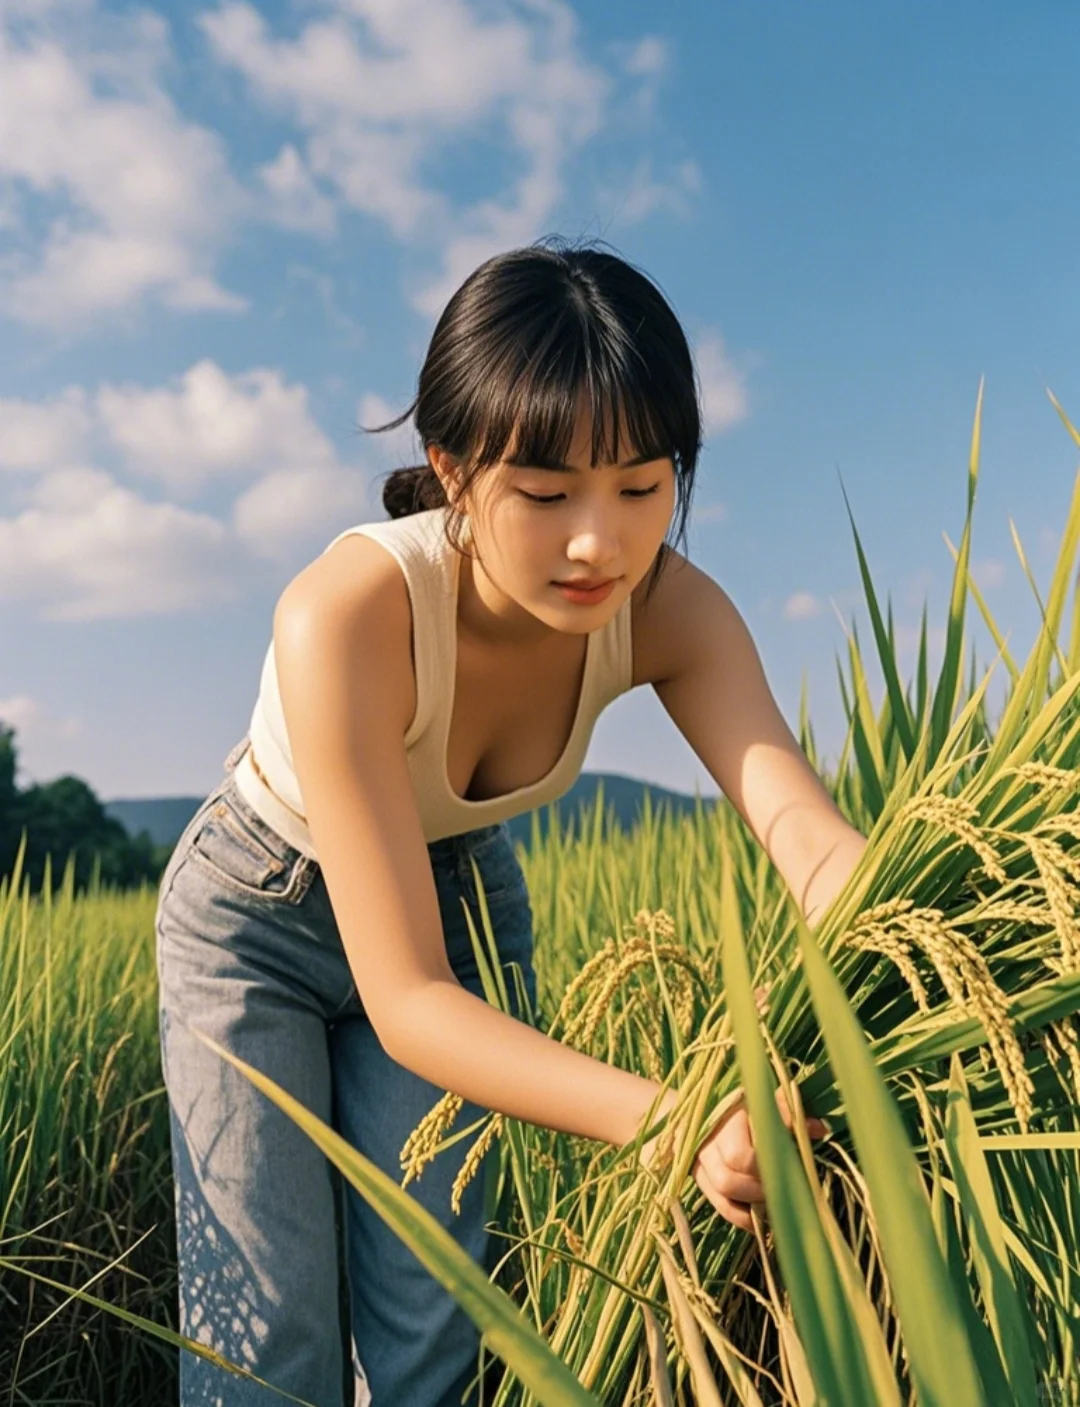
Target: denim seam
x=256, y=849
x=353, y=995
x=254, y=825
x=299, y=881
x=183, y=845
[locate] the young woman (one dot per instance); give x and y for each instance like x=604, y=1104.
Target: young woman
x=429, y=677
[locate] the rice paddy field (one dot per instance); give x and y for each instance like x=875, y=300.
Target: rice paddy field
x=926, y=1251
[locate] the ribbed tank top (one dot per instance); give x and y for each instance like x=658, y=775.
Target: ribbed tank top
x=432, y=572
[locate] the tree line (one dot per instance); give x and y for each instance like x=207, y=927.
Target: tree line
x=65, y=818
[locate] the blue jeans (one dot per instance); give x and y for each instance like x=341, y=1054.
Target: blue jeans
x=248, y=951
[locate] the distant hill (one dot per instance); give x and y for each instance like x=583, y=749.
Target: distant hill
x=623, y=795
x=164, y=818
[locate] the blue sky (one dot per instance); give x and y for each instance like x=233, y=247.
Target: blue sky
x=226, y=233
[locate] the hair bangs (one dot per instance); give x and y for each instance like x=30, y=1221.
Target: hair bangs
x=531, y=416
x=626, y=419
x=528, y=409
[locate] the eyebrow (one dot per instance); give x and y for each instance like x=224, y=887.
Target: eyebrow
x=557, y=468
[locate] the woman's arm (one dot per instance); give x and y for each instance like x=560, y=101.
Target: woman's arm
x=344, y=677
x=460, y=1043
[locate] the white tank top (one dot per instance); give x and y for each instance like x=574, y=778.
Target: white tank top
x=431, y=569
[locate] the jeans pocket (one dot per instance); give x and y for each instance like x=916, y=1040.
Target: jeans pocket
x=236, y=848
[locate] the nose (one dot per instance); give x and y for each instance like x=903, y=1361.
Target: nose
x=593, y=539
x=586, y=554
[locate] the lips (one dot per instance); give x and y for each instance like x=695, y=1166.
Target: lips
x=583, y=585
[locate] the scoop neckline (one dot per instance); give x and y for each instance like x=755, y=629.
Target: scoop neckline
x=586, y=683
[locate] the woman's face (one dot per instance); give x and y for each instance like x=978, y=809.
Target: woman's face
x=602, y=522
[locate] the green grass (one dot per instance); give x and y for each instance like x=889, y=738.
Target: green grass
x=927, y=1251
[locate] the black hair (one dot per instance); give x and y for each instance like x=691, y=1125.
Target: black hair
x=521, y=340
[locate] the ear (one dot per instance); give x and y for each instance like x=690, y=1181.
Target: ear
x=446, y=467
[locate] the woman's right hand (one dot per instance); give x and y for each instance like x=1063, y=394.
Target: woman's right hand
x=725, y=1164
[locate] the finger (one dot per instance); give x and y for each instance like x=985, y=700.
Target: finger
x=733, y=1144
x=738, y=1187
x=729, y=1182
x=738, y=1213
x=733, y=1150
x=785, y=1107
x=814, y=1126
x=734, y=1212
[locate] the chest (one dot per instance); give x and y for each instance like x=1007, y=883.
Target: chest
x=513, y=715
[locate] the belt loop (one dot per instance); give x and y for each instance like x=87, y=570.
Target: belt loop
x=236, y=753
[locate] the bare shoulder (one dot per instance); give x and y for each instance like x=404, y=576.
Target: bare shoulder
x=353, y=597
x=349, y=575
x=663, y=627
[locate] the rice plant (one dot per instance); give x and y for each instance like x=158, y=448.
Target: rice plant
x=926, y=1252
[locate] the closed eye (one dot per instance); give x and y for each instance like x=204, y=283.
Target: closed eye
x=557, y=497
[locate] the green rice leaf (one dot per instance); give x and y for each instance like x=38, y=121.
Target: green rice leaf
x=886, y=653
x=820, y=1306
x=157, y=1331
x=1025, y=1142
x=1004, y=1308
x=931, y=1315
x=706, y=1392
x=914, y=1047
x=945, y=694
x=987, y=1358
x=506, y=1331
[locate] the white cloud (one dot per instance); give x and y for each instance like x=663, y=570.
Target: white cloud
x=1049, y=540
x=38, y=9
x=20, y=712
x=295, y=200
x=710, y=513
x=139, y=199
x=37, y=434
x=87, y=548
x=802, y=605
x=988, y=573
x=400, y=447
x=36, y=730
x=650, y=55
x=84, y=546
x=208, y=422
x=723, y=385
x=644, y=193
x=288, y=506
x=382, y=92
x=649, y=60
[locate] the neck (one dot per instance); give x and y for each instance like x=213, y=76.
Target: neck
x=491, y=620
